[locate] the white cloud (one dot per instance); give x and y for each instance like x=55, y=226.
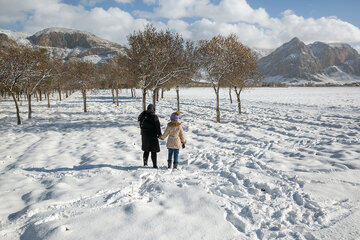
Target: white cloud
x=90, y=2
x=150, y=2
x=124, y=1
x=225, y=11
x=206, y=29
x=112, y=24
x=18, y=10
x=254, y=27
x=327, y=29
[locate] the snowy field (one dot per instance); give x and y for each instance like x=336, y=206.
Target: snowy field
x=288, y=168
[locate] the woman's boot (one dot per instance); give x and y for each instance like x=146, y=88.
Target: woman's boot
x=153, y=158
x=145, y=158
x=169, y=163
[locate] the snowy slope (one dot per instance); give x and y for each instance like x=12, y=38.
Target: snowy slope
x=262, y=52
x=19, y=37
x=338, y=78
x=287, y=168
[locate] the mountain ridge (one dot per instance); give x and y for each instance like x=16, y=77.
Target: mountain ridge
x=68, y=44
x=293, y=63
x=297, y=63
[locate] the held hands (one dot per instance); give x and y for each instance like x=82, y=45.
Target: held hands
x=183, y=145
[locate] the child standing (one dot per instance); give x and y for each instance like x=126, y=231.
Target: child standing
x=176, y=138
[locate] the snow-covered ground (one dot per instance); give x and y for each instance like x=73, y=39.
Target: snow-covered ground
x=287, y=168
x=337, y=78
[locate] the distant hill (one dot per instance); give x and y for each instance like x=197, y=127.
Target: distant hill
x=293, y=63
x=319, y=63
x=64, y=43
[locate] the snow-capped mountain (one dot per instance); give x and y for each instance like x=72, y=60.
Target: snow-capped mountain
x=261, y=52
x=297, y=63
x=68, y=44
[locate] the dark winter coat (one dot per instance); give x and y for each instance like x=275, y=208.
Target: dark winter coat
x=150, y=131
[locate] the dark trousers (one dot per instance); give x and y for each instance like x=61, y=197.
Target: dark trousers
x=153, y=158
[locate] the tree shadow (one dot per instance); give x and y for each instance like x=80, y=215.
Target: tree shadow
x=109, y=98
x=71, y=126
x=84, y=167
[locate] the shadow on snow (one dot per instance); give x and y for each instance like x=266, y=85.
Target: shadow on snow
x=84, y=167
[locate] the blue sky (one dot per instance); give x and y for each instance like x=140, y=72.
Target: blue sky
x=258, y=23
x=347, y=10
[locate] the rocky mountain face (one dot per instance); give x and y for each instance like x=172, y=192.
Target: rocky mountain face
x=6, y=42
x=67, y=44
x=318, y=62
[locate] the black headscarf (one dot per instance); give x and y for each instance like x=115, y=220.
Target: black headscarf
x=151, y=109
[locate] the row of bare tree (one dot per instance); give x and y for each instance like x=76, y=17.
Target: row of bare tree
x=26, y=72
x=154, y=60
x=163, y=59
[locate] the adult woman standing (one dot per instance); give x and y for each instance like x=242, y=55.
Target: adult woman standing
x=150, y=132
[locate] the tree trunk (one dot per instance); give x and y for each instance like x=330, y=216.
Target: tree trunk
x=238, y=99
x=154, y=97
x=133, y=92
x=217, y=105
x=36, y=95
x=66, y=94
x=29, y=106
x=84, y=98
x=231, y=101
x=17, y=108
x=40, y=95
x=113, y=96
x=144, y=99
x=48, y=98
x=162, y=93
x=117, y=97
x=59, y=89
x=157, y=94
x=178, y=99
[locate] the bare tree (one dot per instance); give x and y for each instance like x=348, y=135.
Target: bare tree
x=55, y=80
x=243, y=74
x=155, y=58
x=17, y=64
x=122, y=75
x=40, y=71
x=221, y=57
x=189, y=62
x=84, y=74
